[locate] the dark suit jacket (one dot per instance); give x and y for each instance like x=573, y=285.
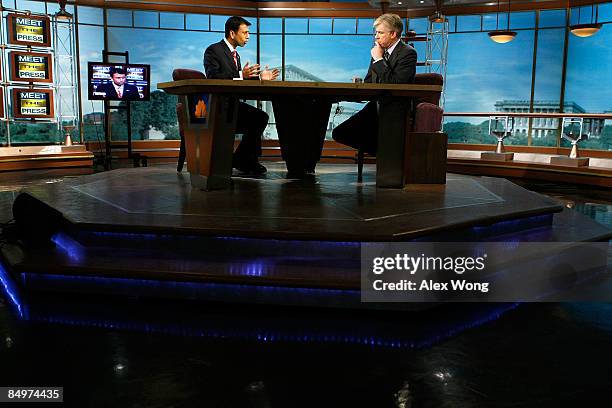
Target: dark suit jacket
x=130, y=92
x=219, y=63
x=400, y=69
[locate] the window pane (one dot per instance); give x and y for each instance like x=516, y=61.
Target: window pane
x=552, y=18
x=364, y=26
x=160, y=111
x=547, y=90
x=270, y=52
x=345, y=26
x=271, y=25
x=24, y=132
x=524, y=19
x=320, y=25
x=582, y=15
x=468, y=23
x=337, y=58
x=483, y=76
x=146, y=19
x=172, y=20
x=35, y=6
x=491, y=22
x=90, y=15
x=296, y=25
x=91, y=43
x=418, y=24
x=119, y=17
x=452, y=23
x=53, y=8
x=217, y=23
x=590, y=58
x=3, y=138
x=469, y=130
x=605, y=13
x=197, y=22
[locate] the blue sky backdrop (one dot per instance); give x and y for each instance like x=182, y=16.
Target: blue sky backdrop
x=480, y=72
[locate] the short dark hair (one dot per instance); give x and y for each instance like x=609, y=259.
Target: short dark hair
x=233, y=24
x=116, y=70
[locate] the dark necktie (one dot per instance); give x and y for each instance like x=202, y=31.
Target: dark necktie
x=386, y=56
x=235, y=55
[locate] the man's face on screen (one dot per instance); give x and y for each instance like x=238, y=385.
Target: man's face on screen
x=119, y=79
x=240, y=37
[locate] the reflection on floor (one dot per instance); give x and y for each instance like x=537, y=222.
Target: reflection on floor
x=565, y=347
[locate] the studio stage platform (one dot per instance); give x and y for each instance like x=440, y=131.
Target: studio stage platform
x=270, y=240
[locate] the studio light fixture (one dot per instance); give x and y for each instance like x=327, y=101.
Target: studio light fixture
x=502, y=36
x=62, y=14
x=437, y=17
x=586, y=30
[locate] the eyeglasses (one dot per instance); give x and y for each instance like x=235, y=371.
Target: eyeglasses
x=381, y=32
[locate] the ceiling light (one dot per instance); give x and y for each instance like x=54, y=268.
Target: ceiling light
x=62, y=14
x=502, y=36
x=586, y=30
x=437, y=17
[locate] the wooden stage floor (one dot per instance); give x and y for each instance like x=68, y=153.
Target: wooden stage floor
x=332, y=206
x=296, y=240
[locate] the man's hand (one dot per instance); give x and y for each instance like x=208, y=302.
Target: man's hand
x=250, y=71
x=377, y=51
x=269, y=75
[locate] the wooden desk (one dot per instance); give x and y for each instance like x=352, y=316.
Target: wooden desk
x=209, y=146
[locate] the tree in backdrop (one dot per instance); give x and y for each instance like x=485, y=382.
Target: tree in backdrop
x=157, y=113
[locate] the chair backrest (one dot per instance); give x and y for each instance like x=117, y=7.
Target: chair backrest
x=186, y=73
x=429, y=79
x=177, y=75
x=428, y=118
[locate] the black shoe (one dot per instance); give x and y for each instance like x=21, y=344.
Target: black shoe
x=259, y=169
x=253, y=168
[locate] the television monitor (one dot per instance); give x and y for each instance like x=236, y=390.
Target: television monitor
x=109, y=81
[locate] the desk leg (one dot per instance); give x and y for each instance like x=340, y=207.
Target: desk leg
x=209, y=147
x=301, y=122
x=393, y=121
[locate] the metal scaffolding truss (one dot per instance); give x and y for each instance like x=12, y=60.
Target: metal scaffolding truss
x=65, y=82
x=63, y=50
x=437, y=50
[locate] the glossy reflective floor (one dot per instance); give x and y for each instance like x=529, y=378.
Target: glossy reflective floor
x=537, y=355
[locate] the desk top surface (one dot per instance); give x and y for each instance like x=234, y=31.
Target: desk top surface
x=272, y=88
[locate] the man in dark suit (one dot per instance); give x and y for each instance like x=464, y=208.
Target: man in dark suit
x=221, y=61
x=393, y=62
x=117, y=88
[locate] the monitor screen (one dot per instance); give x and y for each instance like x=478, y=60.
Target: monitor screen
x=118, y=82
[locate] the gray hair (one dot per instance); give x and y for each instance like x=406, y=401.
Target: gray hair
x=392, y=20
